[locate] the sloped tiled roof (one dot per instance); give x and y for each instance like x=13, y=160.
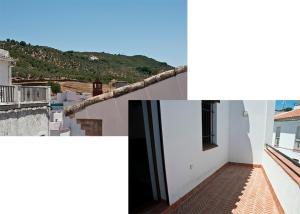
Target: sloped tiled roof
x=289, y=115
x=69, y=110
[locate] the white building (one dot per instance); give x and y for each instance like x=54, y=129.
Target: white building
x=202, y=156
x=107, y=114
x=6, y=63
x=286, y=132
x=23, y=110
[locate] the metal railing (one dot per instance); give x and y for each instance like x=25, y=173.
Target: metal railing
x=277, y=139
x=33, y=94
x=24, y=94
x=295, y=162
x=6, y=94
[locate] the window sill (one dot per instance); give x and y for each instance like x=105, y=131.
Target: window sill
x=209, y=146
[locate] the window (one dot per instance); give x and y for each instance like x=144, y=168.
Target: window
x=209, y=124
x=277, y=137
x=297, y=140
x=92, y=127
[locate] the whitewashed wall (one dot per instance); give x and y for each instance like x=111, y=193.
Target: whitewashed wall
x=186, y=164
x=4, y=73
x=239, y=139
x=286, y=189
x=248, y=134
x=269, y=121
x=114, y=112
x=25, y=122
x=287, y=133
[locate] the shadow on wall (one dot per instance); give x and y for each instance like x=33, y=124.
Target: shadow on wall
x=240, y=149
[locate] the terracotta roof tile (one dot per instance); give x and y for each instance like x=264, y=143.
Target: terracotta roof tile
x=124, y=90
x=289, y=115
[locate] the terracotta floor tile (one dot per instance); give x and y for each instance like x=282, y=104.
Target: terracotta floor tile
x=237, y=189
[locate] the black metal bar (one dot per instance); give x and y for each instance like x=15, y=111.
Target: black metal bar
x=284, y=155
x=6, y=94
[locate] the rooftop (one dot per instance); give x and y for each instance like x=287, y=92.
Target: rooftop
x=289, y=115
x=235, y=188
x=125, y=90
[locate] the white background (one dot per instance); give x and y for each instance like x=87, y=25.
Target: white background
x=237, y=50
x=63, y=175
x=244, y=49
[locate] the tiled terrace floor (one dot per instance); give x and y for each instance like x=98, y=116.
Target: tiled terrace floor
x=233, y=189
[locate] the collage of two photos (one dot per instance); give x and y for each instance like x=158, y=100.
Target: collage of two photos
x=97, y=70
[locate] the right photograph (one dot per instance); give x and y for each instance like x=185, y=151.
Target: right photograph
x=214, y=156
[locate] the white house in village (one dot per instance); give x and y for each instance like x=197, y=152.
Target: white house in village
x=6, y=64
x=208, y=156
x=107, y=114
x=286, y=132
x=23, y=110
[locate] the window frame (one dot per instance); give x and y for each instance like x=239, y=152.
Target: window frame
x=212, y=118
x=277, y=136
x=297, y=139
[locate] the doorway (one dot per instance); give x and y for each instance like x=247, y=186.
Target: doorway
x=147, y=178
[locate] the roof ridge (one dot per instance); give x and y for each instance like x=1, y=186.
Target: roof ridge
x=69, y=110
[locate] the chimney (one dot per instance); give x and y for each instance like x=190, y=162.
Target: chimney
x=97, y=88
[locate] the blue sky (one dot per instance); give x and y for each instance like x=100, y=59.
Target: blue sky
x=155, y=28
x=286, y=103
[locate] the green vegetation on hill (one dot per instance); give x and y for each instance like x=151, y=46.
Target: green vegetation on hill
x=55, y=87
x=39, y=62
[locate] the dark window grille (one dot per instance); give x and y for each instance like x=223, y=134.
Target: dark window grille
x=208, y=122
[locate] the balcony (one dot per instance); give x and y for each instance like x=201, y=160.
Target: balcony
x=270, y=187
x=234, y=188
x=23, y=96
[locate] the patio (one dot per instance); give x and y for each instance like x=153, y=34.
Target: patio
x=234, y=188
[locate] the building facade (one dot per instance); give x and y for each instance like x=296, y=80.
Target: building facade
x=286, y=132
x=107, y=114
x=23, y=110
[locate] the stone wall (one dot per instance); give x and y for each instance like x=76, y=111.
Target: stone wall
x=32, y=121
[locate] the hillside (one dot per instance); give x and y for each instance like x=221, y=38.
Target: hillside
x=39, y=62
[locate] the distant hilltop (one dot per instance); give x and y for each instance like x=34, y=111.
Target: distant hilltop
x=40, y=62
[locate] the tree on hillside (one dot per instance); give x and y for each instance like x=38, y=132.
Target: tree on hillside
x=287, y=109
x=55, y=87
x=22, y=43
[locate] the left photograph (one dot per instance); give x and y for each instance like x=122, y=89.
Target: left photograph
x=79, y=83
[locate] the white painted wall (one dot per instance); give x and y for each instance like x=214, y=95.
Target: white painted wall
x=114, y=112
x=57, y=116
x=287, y=133
x=286, y=189
x=186, y=164
x=25, y=122
x=248, y=134
x=4, y=73
x=73, y=126
x=269, y=121
x=239, y=139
